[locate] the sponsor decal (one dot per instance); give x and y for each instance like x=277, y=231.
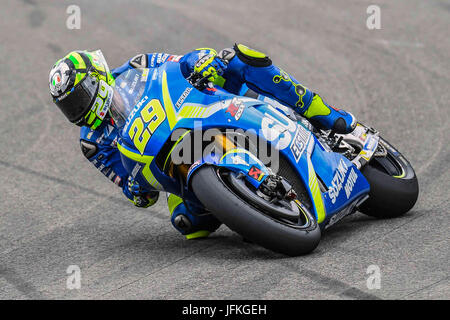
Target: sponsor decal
x=174, y=58
x=203, y=58
x=161, y=58
x=96, y=61
x=255, y=173
x=103, y=100
x=351, y=180
x=59, y=79
x=139, y=61
x=363, y=137
x=56, y=81
x=299, y=142
x=235, y=108
x=135, y=109
x=133, y=84
x=106, y=105
x=152, y=61
x=227, y=54
x=370, y=145
x=338, y=181
x=136, y=169
x=183, y=97
x=365, y=156
x=144, y=75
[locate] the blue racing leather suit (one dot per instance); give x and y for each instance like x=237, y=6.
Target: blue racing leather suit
x=245, y=69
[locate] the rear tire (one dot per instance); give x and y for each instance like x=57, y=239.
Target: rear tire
x=394, y=188
x=240, y=216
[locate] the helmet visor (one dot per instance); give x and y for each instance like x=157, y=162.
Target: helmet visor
x=77, y=103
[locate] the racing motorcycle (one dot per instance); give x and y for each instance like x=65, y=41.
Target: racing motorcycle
x=195, y=140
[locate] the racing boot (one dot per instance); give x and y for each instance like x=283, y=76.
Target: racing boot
x=324, y=116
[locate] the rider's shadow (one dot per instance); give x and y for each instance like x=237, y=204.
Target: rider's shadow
x=226, y=244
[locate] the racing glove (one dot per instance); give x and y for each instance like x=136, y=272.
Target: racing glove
x=138, y=196
x=211, y=65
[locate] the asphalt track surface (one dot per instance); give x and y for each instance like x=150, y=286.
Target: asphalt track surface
x=57, y=210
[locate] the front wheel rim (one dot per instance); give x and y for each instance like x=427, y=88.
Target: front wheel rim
x=305, y=219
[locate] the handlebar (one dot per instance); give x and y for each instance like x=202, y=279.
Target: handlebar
x=200, y=82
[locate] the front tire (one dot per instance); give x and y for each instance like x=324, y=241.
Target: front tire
x=251, y=223
x=394, y=188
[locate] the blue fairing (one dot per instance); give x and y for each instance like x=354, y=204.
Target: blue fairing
x=169, y=103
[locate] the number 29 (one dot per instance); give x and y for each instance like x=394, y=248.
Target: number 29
x=142, y=128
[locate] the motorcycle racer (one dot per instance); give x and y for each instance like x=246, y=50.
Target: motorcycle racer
x=81, y=86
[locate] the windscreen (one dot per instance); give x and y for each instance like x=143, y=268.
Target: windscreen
x=128, y=90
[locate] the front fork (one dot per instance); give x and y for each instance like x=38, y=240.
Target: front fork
x=224, y=154
x=235, y=159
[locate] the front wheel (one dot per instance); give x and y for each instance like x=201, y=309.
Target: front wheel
x=292, y=233
x=393, y=184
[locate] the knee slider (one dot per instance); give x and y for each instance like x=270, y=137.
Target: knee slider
x=252, y=57
x=183, y=223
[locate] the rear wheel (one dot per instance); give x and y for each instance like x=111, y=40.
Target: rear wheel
x=285, y=227
x=393, y=184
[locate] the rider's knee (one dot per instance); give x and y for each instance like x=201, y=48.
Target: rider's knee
x=189, y=224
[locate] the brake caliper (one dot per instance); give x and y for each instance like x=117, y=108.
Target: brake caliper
x=276, y=187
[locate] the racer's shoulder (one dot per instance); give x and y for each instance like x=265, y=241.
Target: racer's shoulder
x=152, y=60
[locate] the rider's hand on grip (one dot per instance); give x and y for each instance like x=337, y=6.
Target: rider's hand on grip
x=141, y=197
x=210, y=66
